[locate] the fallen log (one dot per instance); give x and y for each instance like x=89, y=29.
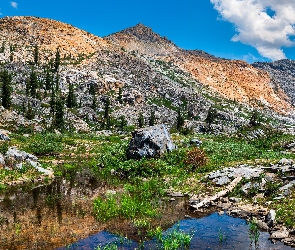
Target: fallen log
x=220, y=194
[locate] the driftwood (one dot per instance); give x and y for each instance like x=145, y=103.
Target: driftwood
x=222, y=193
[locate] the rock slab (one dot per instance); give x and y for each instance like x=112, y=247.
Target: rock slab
x=150, y=142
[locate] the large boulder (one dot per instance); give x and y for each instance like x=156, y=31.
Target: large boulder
x=150, y=142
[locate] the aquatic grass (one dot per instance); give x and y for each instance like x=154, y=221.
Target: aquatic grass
x=254, y=231
x=221, y=236
x=137, y=200
x=172, y=239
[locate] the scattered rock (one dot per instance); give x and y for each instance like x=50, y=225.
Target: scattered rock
x=262, y=225
x=271, y=218
x=176, y=194
x=195, y=142
x=235, y=200
x=281, y=234
x=2, y=161
x=150, y=142
x=222, y=177
x=4, y=136
x=285, y=161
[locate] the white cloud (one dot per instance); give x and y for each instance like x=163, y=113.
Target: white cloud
x=264, y=24
x=14, y=4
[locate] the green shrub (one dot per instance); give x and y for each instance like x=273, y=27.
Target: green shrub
x=45, y=144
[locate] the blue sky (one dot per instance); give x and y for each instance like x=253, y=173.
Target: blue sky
x=191, y=24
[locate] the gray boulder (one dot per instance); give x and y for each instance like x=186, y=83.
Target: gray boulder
x=150, y=142
x=271, y=218
x=2, y=161
x=4, y=137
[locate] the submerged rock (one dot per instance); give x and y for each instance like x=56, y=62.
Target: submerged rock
x=150, y=142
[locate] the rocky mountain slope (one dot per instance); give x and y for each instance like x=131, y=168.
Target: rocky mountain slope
x=137, y=70
x=235, y=80
x=19, y=34
x=283, y=73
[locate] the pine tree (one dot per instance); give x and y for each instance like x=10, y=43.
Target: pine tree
x=58, y=121
x=94, y=103
x=123, y=122
x=6, y=92
x=48, y=80
x=107, y=108
x=91, y=89
x=120, y=96
x=212, y=113
x=36, y=55
x=52, y=101
x=30, y=114
x=180, y=120
x=71, y=99
x=57, y=82
x=140, y=120
x=57, y=60
x=33, y=84
x=152, y=118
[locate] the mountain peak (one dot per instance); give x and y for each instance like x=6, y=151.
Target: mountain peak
x=144, y=33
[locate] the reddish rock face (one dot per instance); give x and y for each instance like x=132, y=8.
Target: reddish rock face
x=232, y=79
x=235, y=80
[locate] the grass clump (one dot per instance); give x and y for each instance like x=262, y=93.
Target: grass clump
x=137, y=200
x=285, y=211
x=173, y=239
x=45, y=144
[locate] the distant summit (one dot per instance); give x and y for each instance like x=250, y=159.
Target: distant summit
x=145, y=33
x=144, y=40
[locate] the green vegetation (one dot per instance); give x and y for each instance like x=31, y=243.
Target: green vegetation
x=254, y=231
x=174, y=239
x=6, y=90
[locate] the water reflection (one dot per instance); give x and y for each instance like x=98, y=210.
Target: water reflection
x=206, y=233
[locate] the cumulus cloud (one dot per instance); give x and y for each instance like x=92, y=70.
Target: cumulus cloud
x=14, y=4
x=267, y=25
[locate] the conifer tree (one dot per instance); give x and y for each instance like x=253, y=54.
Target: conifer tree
x=57, y=60
x=71, y=100
x=6, y=92
x=58, y=121
x=120, y=96
x=123, y=122
x=91, y=89
x=140, y=120
x=29, y=112
x=180, y=120
x=107, y=108
x=48, y=80
x=152, y=118
x=94, y=102
x=57, y=82
x=36, y=55
x=33, y=84
x=52, y=101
